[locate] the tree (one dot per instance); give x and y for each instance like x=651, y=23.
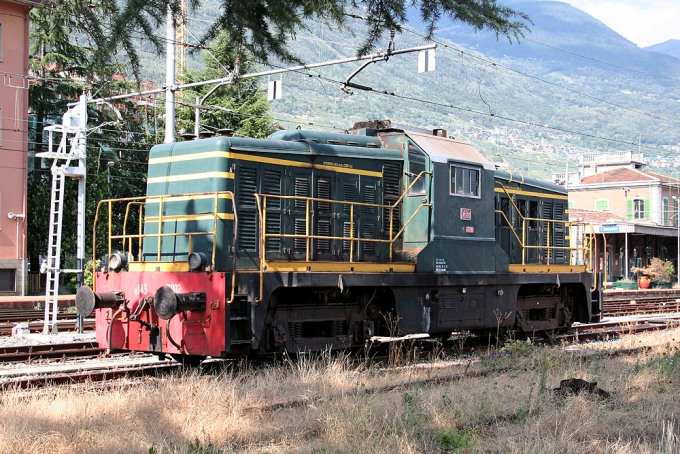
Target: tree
x=240, y=105
x=263, y=28
x=63, y=65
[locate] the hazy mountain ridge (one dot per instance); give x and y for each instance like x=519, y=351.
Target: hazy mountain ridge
x=500, y=108
x=670, y=47
x=561, y=26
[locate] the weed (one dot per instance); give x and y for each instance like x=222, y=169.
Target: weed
x=88, y=275
x=543, y=372
x=453, y=439
x=460, y=338
x=522, y=415
x=395, y=349
x=669, y=440
x=38, y=306
x=196, y=447
x=520, y=348
x=667, y=365
x=414, y=416
x=500, y=318
x=447, y=402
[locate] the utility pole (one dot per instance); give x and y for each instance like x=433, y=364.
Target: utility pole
x=169, y=77
x=181, y=44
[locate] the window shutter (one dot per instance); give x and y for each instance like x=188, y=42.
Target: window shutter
x=629, y=214
x=648, y=213
x=602, y=205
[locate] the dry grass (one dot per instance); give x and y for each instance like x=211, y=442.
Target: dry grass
x=327, y=405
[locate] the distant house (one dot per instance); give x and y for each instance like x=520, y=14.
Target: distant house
x=638, y=195
x=632, y=210
x=13, y=142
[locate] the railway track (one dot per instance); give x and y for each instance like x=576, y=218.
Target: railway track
x=594, y=331
x=37, y=326
x=33, y=353
x=73, y=371
x=9, y=317
x=76, y=362
x=640, y=305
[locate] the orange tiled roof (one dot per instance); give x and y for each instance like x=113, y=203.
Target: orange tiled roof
x=623, y=175
x=595, y=217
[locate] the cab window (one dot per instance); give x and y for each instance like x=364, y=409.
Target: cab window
x=464, y=181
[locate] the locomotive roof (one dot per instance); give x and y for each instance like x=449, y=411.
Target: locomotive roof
x=443, y=149
x=533, y=182
x=275, y=145
x=330, y=138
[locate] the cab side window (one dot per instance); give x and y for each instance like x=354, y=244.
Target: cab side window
x=416, y=165
x=464, y=181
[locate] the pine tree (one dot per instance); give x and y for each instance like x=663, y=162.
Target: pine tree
x=240, y=105
x=63, y=65
x=263, y=28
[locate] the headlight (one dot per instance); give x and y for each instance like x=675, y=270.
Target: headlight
x=197, y=261
x=117, y=261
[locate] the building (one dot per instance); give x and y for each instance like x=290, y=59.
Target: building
x=13, y=142
x=634, y=212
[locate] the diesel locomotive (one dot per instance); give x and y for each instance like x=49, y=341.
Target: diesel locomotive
x=309, y=240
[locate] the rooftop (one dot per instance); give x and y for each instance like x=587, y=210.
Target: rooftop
x=625, y=175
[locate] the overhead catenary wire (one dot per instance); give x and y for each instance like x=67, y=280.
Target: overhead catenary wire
x=486, y=114
x=532, y=124
x=536, y=78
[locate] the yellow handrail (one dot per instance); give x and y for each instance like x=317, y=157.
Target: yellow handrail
x=523, y=242
x=261, y=200
x=308, y=236
x=127, y=239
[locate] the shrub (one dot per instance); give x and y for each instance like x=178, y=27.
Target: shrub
x=658, y=270
x=453, y=439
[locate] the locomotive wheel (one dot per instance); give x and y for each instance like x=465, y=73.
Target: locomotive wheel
x=188, y=360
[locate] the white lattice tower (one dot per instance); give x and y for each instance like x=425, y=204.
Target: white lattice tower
x=69, y=149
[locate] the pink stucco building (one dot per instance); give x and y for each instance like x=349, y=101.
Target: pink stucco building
x=14, y=59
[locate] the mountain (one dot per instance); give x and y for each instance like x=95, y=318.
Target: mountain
x=572, y=85
x=670, y=47
x=560, y=36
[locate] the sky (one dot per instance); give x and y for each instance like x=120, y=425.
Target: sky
x=644, y=22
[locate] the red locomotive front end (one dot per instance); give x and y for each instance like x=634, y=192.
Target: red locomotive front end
x=165, y=313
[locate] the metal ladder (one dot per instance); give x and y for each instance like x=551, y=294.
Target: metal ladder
x=54, y=247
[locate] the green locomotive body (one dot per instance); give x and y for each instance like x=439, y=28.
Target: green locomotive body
x=326, y=240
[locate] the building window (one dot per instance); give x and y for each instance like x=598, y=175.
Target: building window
x=666, y=213
x=464, y=181
x=602, y=205
x=638, y=209
x=7, y=280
